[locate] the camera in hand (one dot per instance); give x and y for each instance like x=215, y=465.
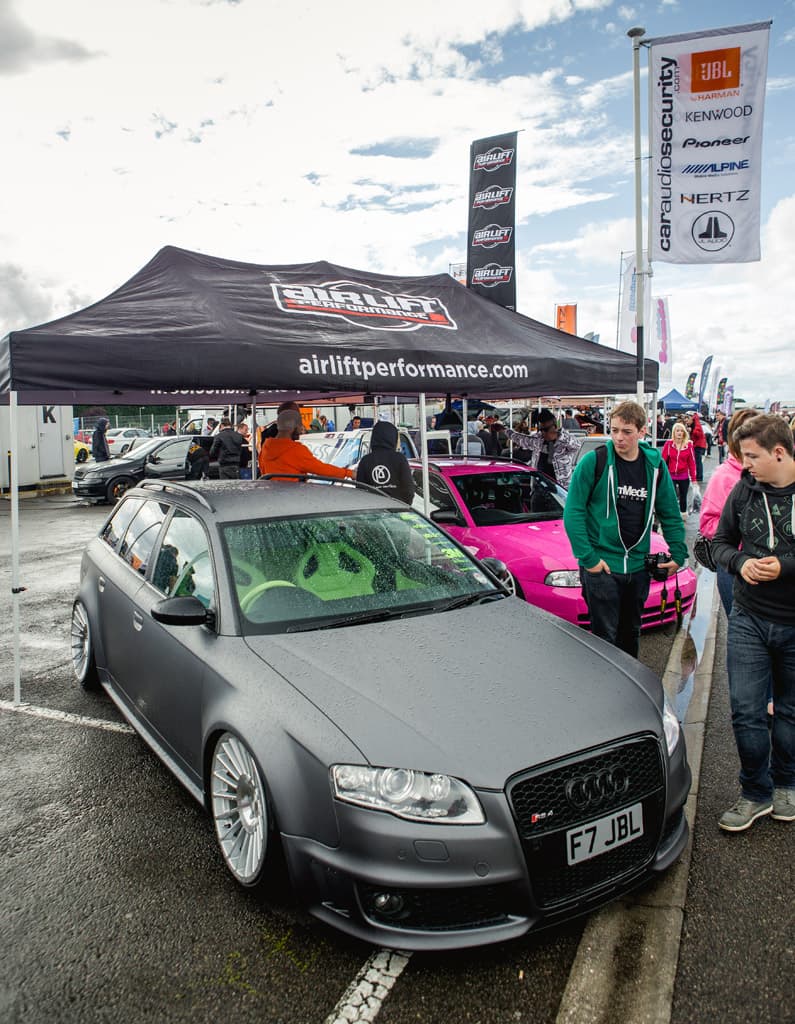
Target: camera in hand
x=654, y=563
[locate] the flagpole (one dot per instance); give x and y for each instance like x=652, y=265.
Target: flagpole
x=635, y=35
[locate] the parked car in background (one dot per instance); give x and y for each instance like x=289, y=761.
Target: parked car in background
x=505, y=510
x=162, y=457
x=348, y=447
x=82, y=450
x=122, y=439
x=349, y=693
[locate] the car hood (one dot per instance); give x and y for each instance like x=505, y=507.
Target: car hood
x=479, y=693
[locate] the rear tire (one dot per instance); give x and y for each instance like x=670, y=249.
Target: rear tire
x=83, y=663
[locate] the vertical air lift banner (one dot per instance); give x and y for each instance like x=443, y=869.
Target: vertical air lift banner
x=491, y=247
x=707, y=106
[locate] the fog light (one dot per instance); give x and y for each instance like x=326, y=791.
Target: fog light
x=388, y=903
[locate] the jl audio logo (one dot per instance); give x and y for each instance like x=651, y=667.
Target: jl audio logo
x=712, y=231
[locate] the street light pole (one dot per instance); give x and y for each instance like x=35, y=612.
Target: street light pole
x=635, y=35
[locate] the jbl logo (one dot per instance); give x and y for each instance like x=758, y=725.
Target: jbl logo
x=715, y=70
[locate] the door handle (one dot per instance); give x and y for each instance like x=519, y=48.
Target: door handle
x=138, y=621
x=101, y=584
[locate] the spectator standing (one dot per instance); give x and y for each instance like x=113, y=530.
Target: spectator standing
x=755, y=541
x=272, y=430
x=227, y=449
x=385, y=466
x=245, y=451
x=285, y=453
x=678, y=456
x=721, y=436
x=552, y=450
x=569, y=422
x=100, y=448
x=720, y=486
x=209, y=426
x=470, y=443
x=693, y=424
x=608, y=518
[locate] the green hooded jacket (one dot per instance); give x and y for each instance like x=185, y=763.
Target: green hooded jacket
x=591, y=519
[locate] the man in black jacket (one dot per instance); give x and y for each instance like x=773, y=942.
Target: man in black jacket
x=227, y=447
x=100, y=448
x=755, y=541
x=384, y=466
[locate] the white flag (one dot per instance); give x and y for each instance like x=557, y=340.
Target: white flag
x=708, y=98
x=627, y=333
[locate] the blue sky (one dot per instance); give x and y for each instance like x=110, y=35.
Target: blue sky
x=280, y=132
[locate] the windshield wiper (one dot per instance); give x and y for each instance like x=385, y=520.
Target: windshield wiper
x=462, y=602
x=347, y=620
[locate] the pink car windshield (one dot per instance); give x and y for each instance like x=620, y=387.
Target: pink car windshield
x=498, y=498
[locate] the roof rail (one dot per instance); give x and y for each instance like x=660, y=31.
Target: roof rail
x=318, y=478
x=176, y=487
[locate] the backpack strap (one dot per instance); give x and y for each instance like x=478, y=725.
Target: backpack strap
x=601, y=462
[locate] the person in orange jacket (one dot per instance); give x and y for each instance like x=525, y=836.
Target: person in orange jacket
x=285, y=453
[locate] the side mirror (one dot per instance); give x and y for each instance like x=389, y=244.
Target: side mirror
x=182, y=611
x=497, y=568
x=447, y=515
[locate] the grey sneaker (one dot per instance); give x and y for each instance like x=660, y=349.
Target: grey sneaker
x=784, y=804
x=745, y=812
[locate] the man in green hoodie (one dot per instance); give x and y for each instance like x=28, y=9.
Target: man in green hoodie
x=613, y=498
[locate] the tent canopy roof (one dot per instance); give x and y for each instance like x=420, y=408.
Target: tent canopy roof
x=676, y=401
x=191, y=322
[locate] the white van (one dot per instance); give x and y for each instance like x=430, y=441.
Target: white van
x=348, y=447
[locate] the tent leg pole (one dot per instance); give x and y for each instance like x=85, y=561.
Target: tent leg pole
x=15, y=588
x=426, y=483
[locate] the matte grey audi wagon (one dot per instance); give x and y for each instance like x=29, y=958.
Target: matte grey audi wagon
x=349, y=693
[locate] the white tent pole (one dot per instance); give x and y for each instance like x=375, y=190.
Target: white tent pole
x=426, y=481
x=510, y=427
x=464, y=414
x=15, y=587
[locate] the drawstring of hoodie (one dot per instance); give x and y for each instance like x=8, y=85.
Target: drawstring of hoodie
x=610, y=493
x=771, y=534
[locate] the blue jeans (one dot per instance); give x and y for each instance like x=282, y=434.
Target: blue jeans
x=615, y=603
x=757, y=648
x=725, y=583
x=699, y=454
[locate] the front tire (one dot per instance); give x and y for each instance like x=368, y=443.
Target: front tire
x=239, y=807
x=117, y=487
x=83, y=663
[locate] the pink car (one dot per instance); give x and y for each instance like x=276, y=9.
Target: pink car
x=508, y=511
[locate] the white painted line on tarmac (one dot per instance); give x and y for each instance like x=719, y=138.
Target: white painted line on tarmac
x=64, y=716
x=365, y=995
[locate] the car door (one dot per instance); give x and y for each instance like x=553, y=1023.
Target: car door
x=121, y=566
x=168, y=462
x=172, y=659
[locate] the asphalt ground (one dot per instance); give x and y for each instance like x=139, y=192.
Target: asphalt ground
x=115, y=905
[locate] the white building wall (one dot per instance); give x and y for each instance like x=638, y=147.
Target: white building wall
x=46, y=445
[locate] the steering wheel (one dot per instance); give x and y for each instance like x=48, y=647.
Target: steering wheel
x=260, y=589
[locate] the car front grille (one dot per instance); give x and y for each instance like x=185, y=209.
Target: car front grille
x=438, y=910
x=549, y=801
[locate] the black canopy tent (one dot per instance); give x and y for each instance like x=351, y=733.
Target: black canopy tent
x=192, y=322
x=187, y=323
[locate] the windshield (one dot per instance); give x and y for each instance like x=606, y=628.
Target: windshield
x=146, y=446
x=317, y=572
x=494, y=499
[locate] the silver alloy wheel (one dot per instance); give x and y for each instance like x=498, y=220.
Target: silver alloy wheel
x=82, y=649
x=510, y=583
x=239, y=809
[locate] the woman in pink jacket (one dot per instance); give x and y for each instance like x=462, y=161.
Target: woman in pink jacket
x=680, y=459
x=720, y=486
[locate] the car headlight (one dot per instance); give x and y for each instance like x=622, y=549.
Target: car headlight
x=671, y=726
x=416, y=796
x=563, y=578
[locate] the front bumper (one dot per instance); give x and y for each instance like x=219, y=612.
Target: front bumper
x=89, y=488
x=434, y=887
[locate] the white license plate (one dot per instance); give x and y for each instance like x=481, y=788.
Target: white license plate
x=604, y=834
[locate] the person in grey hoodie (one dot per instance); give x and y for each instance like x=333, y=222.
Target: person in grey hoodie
x=384, y=466
x=755, y=542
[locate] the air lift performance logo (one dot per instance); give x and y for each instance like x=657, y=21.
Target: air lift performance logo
x=364, y=305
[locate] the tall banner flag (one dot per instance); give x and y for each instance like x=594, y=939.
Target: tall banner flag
x=721, y=391
x=702, y=384
x=566, y=317
x=662, y=350
x=728, y=400
x=491, y=246
x=627, y=331
x=707, y=107
x=690, y=387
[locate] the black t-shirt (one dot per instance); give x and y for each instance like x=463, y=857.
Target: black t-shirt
x=631, y=496
x=545, y=464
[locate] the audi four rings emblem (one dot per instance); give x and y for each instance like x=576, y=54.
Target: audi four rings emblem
x=592, y=789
